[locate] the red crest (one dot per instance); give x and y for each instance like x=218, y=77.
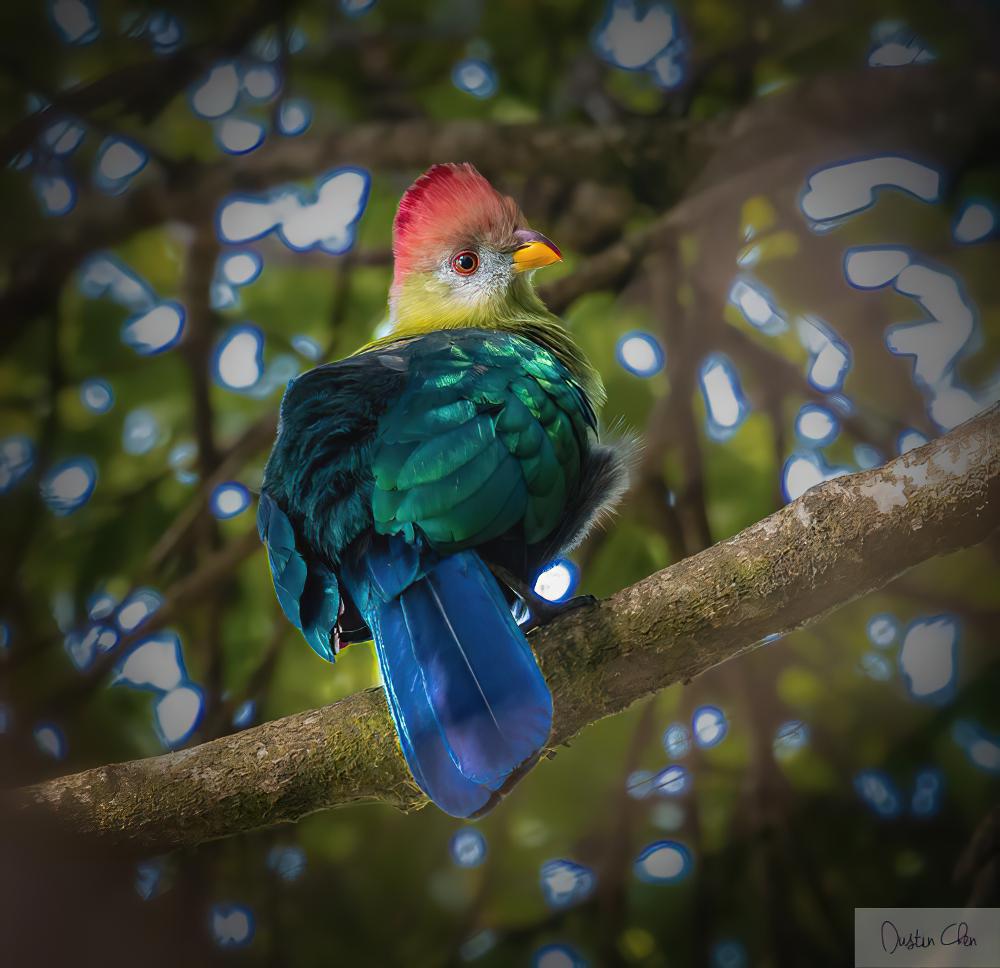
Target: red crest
x=448, y=207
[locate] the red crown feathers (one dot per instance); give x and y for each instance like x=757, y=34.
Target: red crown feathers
x=448, y=206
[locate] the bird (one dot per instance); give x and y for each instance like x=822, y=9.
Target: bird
x=416, y=488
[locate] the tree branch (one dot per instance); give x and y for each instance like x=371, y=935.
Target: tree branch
x=196, y=188
x=191, y=589
x=774, y=140
x=833, y=544
x=143, y=88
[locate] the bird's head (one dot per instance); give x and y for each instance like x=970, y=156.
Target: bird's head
x=462, y=253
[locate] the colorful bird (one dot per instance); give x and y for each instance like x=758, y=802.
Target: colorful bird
x=406, y=479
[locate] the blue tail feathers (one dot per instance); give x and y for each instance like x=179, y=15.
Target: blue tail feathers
x=468, y=699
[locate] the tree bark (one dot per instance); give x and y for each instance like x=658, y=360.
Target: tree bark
x=838, y=541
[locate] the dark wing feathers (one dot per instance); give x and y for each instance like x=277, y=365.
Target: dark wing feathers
x=307, y=590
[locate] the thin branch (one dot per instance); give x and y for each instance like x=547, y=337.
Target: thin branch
x=219, y=720
x=196, y=349
x=611, y=898
x=199, y=333
x=835, y=543
x=250, y=442
x=211, y=572
x=608, y=269
x=144, y=88
x=777, y=374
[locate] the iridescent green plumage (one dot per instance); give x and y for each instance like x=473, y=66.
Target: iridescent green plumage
x=487, y=434
x=469, y=438
x=463, y=443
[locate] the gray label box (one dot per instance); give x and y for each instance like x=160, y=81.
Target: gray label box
x=927, y=937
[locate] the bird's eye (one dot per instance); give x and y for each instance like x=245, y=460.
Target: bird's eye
x=465, y=263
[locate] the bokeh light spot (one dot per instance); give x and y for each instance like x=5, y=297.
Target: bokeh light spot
x=663, y=862
x=69, y=485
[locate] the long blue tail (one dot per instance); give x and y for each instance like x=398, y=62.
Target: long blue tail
x=469, y=702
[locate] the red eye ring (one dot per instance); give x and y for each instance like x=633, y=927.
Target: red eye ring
x=465, y=263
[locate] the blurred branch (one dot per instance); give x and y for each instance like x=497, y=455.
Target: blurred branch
x=979, y=862
x=835, y=543
x=777, y=374
x=205, y=580
x=775, y=140
x=219, y=720
x=144, y=88
x=687, y=330
x=571, y=151
x=251, y=441
x=254, y=438
x=607, y=269
x=611, y=897
x=29, y=522
x=196, y=347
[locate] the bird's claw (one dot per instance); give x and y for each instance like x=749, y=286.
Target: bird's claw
x=543, y=611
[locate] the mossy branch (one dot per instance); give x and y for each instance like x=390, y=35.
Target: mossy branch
x=838, y=541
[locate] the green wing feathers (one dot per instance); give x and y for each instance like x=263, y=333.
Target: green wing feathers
x=489, y=432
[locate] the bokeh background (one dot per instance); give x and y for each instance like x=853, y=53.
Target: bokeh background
x=779, y=222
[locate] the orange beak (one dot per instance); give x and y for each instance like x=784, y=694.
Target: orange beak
x=535, y=251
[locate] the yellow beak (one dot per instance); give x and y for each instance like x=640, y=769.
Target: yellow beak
x=535, y=251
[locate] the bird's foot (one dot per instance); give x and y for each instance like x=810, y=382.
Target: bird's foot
x=542, y=611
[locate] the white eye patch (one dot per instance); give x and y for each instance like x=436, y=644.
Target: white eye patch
x=491, y=279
